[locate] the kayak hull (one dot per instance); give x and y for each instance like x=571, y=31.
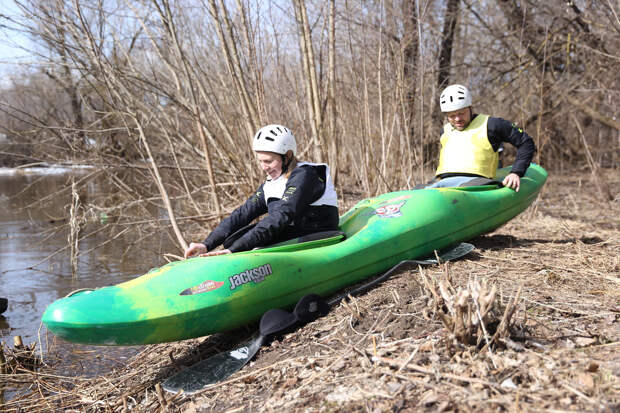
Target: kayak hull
x=205, y=295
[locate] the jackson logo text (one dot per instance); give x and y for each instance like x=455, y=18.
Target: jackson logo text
x=255, y=275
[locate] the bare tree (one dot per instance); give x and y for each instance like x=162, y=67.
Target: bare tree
x=447, y=39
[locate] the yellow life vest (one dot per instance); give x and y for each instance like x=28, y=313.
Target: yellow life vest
x=468, y=151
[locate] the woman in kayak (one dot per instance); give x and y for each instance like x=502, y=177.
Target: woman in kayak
x=470, y=143
x=298, y=198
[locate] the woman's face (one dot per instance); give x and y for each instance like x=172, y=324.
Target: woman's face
x=271, y=163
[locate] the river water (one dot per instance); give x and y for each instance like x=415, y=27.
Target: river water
x=34, y=207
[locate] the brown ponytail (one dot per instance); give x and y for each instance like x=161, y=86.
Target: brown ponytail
x=292, y=164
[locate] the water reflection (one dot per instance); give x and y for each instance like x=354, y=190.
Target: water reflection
x=34, y=256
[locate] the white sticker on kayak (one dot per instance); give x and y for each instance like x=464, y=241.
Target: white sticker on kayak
x=389, y=211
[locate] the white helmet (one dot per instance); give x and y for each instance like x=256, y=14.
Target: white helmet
x=274, y=138
x=454, y=97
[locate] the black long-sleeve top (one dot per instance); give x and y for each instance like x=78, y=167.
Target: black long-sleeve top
x=500, y=130
x=288, y=217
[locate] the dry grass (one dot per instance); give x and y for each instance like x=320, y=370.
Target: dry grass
x=386, y=351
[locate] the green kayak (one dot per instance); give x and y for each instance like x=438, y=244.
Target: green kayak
x=205, y=295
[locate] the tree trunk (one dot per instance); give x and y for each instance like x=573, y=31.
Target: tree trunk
x=312, y=87
x=410, y=45
x=235, y=70
x=160, y=185
x=445, y=53
x=331, y=102
x=195, y=108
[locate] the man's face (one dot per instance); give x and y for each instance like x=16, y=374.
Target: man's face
x=459, y=119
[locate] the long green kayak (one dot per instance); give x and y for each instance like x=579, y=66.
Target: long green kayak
x=205, y=295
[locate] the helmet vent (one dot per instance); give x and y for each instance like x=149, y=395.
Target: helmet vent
x=269, y=138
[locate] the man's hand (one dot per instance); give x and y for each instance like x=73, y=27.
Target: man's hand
x=513, y=181
x=195, y=248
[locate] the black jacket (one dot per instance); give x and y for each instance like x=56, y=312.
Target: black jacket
x=289, y=217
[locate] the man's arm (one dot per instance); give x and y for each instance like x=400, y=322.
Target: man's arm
x=500, y=130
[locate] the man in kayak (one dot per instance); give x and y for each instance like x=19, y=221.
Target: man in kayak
x=298, y=197
x=470, y=143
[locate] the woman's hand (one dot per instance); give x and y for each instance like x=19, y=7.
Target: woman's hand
x=214, y=253
x=513, y=181
x=195, y=248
